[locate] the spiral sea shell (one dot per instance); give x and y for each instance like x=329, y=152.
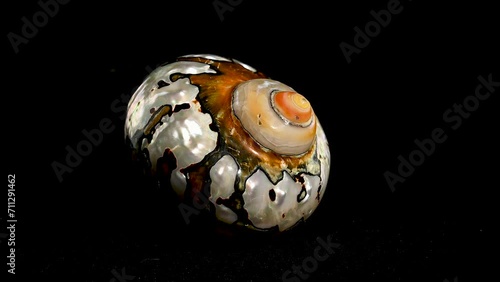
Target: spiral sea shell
x=252, y=145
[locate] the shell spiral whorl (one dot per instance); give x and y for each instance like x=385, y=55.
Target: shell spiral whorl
x=275, y=115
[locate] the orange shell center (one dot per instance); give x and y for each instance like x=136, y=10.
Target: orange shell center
x=293, y=106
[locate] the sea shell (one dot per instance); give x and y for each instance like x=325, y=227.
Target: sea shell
x=210, y=126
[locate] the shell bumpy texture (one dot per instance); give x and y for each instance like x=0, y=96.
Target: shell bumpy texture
x=181, y=120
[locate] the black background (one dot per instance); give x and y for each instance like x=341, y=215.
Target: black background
x=103, y=217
